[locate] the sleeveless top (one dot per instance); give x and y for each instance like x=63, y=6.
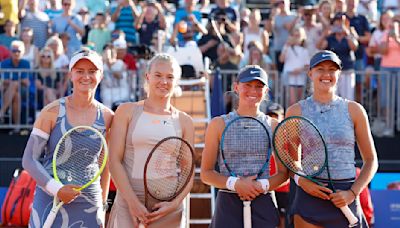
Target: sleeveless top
x=92, y=192
x=145, y=130
x=229, y=117
x=336, y=126
x=251, y=36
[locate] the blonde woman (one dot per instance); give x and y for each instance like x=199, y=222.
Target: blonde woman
x=47, y=80
x=136, y=129
x=31, y=51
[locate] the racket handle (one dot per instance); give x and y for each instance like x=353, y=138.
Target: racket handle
x=246, y=214
x=141, y=225
x=50, y=218
x=353, y=220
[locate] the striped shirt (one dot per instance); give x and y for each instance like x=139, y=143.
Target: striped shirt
x=125, y=22
x=39, y=22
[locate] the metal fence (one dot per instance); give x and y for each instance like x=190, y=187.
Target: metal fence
x=23, y=93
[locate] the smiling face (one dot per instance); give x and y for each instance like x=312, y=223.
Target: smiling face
x=325, y=76
x=85, y=76
x=161, y=79
x=251, y=93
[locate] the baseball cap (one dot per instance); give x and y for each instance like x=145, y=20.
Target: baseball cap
x=274, y=108
x=88, y=54
x=252, y=72
x=325, y=55
x=119, y=43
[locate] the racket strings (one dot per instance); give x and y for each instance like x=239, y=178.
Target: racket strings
x=300, y=146
x=79, y=157
x=245, y=146
x=169, y=169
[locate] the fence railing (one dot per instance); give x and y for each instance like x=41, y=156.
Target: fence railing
x=23, y=93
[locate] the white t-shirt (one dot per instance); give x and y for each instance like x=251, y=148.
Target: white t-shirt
x=376, y=40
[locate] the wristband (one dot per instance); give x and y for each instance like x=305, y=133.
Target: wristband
x=230, y=183
x=296, y=179
x=53, y=187
x=264, y=184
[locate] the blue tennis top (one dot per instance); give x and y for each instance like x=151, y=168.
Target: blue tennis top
x=232, y=146
x=336, y=126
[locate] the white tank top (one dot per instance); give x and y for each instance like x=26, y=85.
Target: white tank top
x=149, y=130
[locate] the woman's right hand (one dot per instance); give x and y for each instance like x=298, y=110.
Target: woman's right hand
x=138, y=211
x=68, y=193
x=314, y=189
x=248, y=188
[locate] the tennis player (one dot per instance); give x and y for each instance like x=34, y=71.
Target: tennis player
x=80, y=108
x=251, y=87
x=342, y=124
x=138, y=128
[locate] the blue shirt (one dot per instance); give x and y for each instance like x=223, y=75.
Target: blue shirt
x=361, y=24
x=60, y=25
x=342, y=49
x=23, y=64
x=6, y=40
x=125, y=22
x=182, y=14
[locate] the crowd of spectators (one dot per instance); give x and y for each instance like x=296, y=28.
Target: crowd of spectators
x=43, y=34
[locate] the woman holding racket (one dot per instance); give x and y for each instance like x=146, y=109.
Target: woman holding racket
x=54, y=122
x=245, y=149
x=342, y=123
x=139, y=128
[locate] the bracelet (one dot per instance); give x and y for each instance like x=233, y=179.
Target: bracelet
x=351, y=190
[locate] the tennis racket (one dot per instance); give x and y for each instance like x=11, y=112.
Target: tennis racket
x=168, y=170
x=245, y=149
x=302, y=149
x=79, y=158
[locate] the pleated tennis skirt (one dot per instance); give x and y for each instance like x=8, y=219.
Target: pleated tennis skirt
x=323, y=212
x=78, y=213
x=229, y=211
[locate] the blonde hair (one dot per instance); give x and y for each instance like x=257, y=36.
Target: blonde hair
x=48, y=51
x=55, y=39
x=177, y=70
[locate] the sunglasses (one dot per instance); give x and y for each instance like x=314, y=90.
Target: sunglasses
x=15, y=51
x=66, y=4
x=46, y=56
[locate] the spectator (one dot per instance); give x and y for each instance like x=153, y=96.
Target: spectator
x=122, y=54
x=84, y=16
x=227, y=14
x=15, y=85
x=313, y=29
x=256, y=56
x=209, y=43
x=150, y=21
x=187, y=17
x=35, y=19
x=61, y=61
x=282, y=23
x=99, y=35
x=124, y=16
x=31, y=53
x=342, y=40
x=48, y=81
x=4, y=53
x=362, y=27
x=369, y=8
x=385, y=22
x=224, y=61
x=244, y=18
x=9, y=8
x=295, y=57
x=392, y=5
x=339, y=7
x=115, y=86
x=390, y=51
x=70, y=24
x=254, y=33
x=54, y=10
x=9, y=34
x=96, y=6
x=325, y=13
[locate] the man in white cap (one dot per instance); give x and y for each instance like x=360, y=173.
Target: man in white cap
x=122, y=53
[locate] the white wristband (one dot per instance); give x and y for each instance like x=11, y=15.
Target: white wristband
x=264, y=184
x=296, y=179
x=230, y=183
x=52, y=186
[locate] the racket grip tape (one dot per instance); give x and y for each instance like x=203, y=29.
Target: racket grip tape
x=246, y=214
x=50, y=219
x=353, y=220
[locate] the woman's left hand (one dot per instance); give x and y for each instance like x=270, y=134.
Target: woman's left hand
x=160, y=210
x=342, y=198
